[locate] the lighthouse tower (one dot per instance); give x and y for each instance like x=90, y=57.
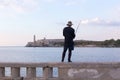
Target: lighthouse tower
x=34, y=41
x=34, y=38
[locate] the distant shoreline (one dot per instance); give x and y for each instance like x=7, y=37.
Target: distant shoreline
x=78, y=43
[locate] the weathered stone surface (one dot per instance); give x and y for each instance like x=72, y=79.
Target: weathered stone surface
x=115, y=73
x=66, y=71
x=84, y=73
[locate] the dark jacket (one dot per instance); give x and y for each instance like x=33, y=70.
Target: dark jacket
x=69, y=34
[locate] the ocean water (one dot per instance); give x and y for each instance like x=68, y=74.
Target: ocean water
x=53, y=54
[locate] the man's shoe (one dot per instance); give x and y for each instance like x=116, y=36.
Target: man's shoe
x=62, y=61
x=69, y=61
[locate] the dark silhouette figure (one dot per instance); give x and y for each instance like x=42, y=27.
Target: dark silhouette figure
x=69, y=35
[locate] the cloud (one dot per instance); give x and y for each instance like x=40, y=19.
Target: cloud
x=74, y=2
x=100, y=22
x=49, y=0
x=19, y=6
x=71, y=3
x=116, y=12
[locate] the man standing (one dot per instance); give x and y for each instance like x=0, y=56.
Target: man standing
x=69, y=35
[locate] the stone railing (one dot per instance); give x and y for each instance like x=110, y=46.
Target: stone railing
x=65, y=71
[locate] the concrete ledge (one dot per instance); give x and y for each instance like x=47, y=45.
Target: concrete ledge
x=10, y=78
x=66, y=71
x=62, y=64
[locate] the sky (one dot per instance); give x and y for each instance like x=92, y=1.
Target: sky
x=21, y=19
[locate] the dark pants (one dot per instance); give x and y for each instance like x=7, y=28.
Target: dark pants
x=69, y=54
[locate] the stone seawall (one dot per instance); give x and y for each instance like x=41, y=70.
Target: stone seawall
x=65, y=71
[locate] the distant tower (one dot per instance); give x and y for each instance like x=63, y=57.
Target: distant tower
x=34, y=38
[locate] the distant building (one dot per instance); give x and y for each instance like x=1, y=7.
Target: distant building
x=45, y=42
x=34, y=38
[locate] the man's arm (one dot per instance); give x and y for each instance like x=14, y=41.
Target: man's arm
x=73, y=33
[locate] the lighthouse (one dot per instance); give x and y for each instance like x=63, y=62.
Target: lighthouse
x=34, y=39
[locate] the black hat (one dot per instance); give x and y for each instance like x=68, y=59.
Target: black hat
x=69, y=23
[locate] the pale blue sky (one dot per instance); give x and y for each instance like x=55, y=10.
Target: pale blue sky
x=21, y=19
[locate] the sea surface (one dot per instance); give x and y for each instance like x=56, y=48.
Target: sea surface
x=53, y=54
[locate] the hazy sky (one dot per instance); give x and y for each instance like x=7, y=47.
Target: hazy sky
x=21, y=19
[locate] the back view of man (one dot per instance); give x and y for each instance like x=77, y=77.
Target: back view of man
x=69, y=35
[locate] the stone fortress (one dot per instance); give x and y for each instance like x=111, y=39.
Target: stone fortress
x=45, y=42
